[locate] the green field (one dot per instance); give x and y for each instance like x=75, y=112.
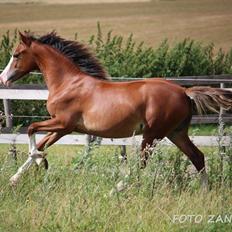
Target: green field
x=69, y=199
x=152, y=22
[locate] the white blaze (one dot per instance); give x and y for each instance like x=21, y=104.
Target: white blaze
x=7, y=72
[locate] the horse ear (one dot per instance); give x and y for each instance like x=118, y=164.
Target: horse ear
x=25, y=39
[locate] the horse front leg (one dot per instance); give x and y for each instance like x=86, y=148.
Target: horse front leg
x=56, y=129
x=33, y=151
x=41, y=144
x=35, y=154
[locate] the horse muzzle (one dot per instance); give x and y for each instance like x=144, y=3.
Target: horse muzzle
x=3, y=80
x=7, y=80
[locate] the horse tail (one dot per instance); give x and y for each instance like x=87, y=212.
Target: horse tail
x=207, y=98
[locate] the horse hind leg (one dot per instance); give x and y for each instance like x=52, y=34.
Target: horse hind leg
x=151, y=137
x=146, y=146
x=183, y=142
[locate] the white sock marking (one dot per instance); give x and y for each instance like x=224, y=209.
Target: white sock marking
x=34, y=156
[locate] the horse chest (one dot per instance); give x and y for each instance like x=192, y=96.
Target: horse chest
x=50, y=108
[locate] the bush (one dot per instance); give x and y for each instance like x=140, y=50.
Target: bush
x=126, y=58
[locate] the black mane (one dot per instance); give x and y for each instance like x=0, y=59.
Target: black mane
x=78, y=53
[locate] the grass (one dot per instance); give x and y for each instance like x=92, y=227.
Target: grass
x=203, y=20
x=64, y=199
x=206, y=129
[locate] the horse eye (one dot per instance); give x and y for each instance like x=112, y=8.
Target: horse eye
x=16, y=55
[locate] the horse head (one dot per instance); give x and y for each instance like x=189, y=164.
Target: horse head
x=21, y=62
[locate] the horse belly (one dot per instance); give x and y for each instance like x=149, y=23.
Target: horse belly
x=109, y=129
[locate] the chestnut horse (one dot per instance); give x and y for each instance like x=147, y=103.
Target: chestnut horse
x=82, y=99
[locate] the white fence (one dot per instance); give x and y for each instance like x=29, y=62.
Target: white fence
x=136, y=140
x=24, y=94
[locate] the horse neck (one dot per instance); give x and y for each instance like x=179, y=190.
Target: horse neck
x=56, y=68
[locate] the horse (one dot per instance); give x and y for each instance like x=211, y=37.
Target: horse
x=83, y=99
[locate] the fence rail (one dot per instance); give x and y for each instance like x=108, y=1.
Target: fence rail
x=74, y=139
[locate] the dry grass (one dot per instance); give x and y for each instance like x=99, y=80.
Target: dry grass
x=204, y=20
x=71, y=1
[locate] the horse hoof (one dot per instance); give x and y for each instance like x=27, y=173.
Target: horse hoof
x=143, y=164
x=46, y=165
x=38, y=161
x=120, y=186
x=14, y=181
x=204, y=181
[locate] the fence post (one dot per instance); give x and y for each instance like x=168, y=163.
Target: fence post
x=7, y=112
x=222, y=149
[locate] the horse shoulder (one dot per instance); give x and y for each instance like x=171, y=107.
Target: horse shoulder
x=63, y=102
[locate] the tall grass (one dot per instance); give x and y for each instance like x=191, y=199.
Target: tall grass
x=73, y=195
x=67, y=198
